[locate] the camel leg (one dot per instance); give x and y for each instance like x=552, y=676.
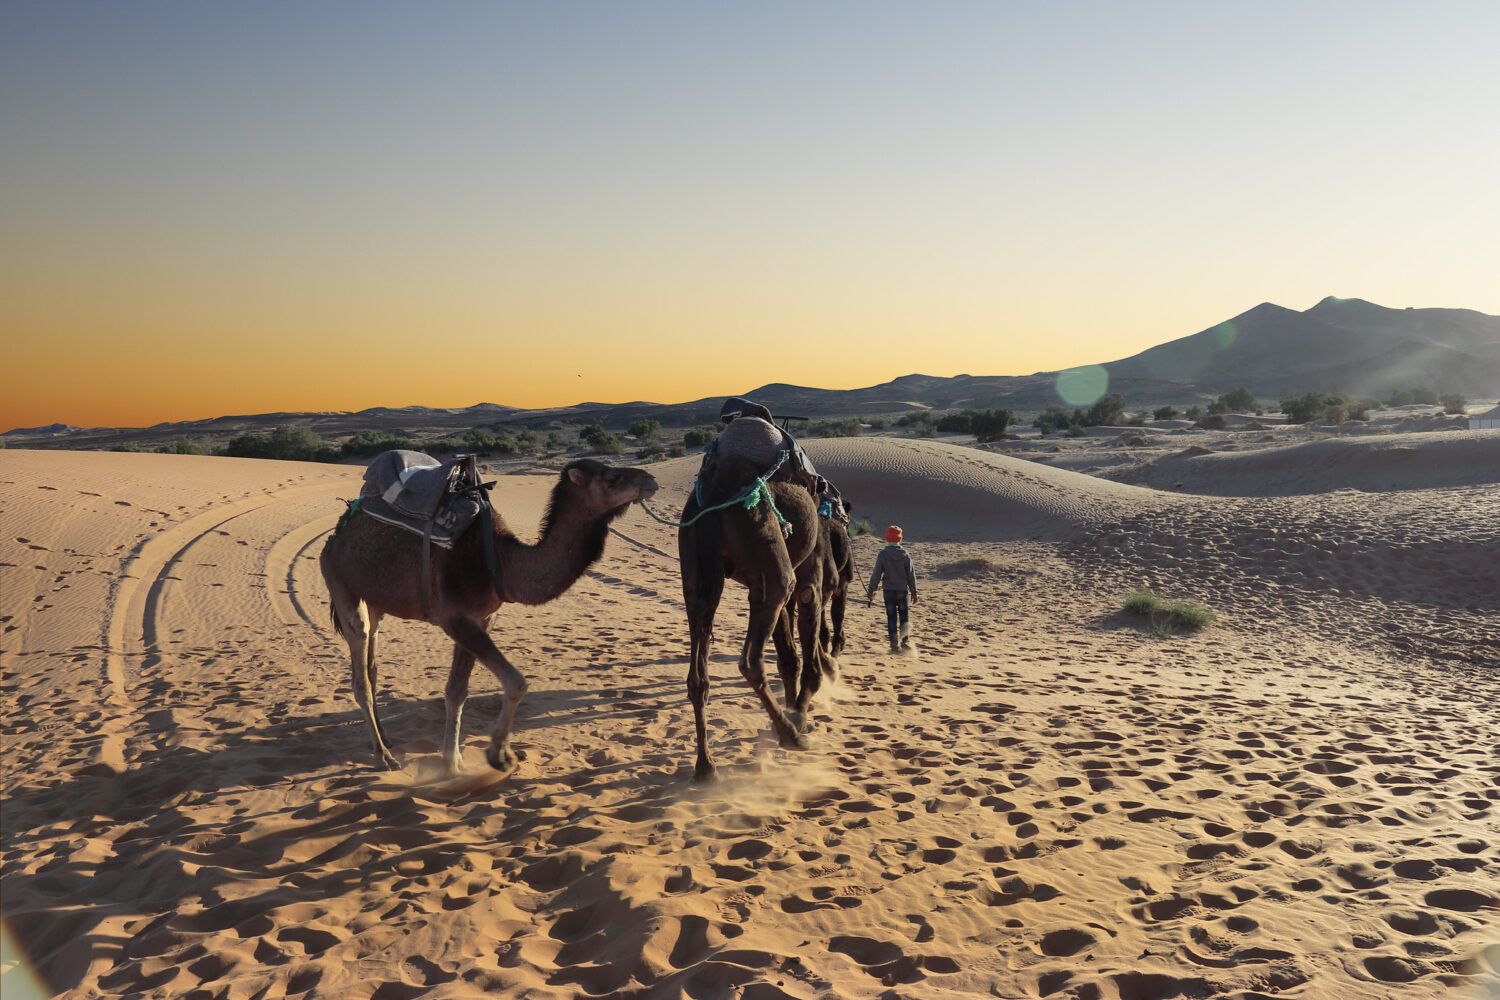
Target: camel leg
x=787, y=663
x=454, y=696
x=765, y=606
x=702, y=599
x=836, y=612
x=359, y=632
x=474, y=638
x=373, y=632
x=809, y=615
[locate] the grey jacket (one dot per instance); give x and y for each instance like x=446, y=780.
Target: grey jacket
x=893, y=565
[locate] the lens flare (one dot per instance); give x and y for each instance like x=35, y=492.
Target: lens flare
x=1083, y=386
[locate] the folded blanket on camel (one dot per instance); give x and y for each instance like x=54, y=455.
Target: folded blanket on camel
x=414, y=491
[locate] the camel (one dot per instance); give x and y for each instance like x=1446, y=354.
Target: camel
x=749, y=546
x=835, y=559
x=373, y=569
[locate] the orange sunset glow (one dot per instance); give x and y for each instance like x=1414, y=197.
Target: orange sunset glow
x=240, y=208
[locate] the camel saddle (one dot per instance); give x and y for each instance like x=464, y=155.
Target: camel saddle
x=438, y=501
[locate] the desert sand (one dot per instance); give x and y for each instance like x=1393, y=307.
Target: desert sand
x=1045, y=799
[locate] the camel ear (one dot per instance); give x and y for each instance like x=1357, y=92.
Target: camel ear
x=578, y=476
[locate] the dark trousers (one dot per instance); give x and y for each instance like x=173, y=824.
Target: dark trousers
x=897, y=612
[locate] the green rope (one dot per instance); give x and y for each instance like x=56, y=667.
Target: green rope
x=751, y=497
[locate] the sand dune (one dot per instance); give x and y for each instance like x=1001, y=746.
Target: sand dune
x=1047, y=800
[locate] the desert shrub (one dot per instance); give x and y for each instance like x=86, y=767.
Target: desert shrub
x=1057, y=419
x=961, y=422
x=927, y=431
x=1239, y=400
x=990, y=425
x=651, y=449
x=847, y=427
x=644, y=428
x=1164, y=412
x=445, y=446
x=1108, y=411
x=676, y=451
x=1167, y=616
x=1193, y=412
x=182, y=446
x=916, y=418
x=599, y=441
x=479, y=439
x=527, y=443
x=874, y=423
x=985, y=425
x=127, y=446
x=1211, y=422
x=1414, y=397
x=1332, y=407
x=1455, y=404
x=368, y=443
x=859, y=528
x=287, y=442
x=555, y=441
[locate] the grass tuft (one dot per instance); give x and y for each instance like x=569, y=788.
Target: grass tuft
x=1168, y=617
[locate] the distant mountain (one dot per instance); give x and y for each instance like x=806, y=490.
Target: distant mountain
x=1342, y=345
x=1339, y=345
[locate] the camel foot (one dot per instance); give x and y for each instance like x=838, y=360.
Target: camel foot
x=705, y=774
x=385, y=762
x=794, y=741
x=501, y=758
x=802, y=721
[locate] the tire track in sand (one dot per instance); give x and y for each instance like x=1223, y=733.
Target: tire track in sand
x=133, y=605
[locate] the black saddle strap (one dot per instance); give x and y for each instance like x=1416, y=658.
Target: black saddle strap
x=427, y=571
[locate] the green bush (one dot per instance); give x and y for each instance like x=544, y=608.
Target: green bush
x=479, y=439
x=697, y=437
x=1107, y=412
x=848, y=427
x=1164, y=412
x=599, y=441
x=1414, y=397
x=644, y=429
x=182, y=446
x=368, y=443
x=1239, y=400
x=916, y=418
x=1332, y=407
x=127, y=446
x=287, y=442
x=1057, y=419
x=1166, y=616
x=1455, y=404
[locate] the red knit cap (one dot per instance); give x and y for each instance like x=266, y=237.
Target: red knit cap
x=893, y=533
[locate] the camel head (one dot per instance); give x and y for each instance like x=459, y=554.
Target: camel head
x=605, y=489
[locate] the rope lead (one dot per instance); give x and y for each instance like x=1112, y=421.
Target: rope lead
x=749, y=498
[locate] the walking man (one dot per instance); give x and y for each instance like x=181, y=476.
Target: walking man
x=893, y=570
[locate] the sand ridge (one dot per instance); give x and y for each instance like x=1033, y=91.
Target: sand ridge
x=1044, y=801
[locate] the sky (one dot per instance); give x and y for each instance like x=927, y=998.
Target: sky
x=236, y=207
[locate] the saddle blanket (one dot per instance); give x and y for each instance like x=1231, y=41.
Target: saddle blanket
x=417, y=492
